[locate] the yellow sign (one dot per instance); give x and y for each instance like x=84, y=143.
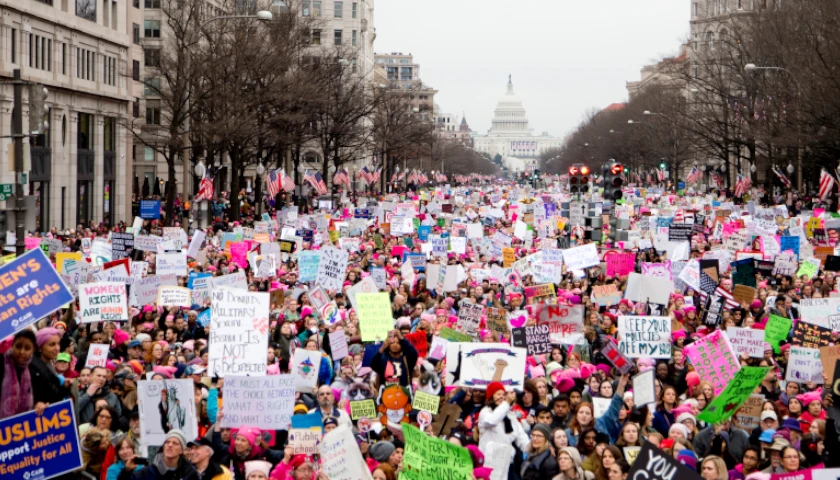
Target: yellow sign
x=334, y=235
x=426, y=401
x=362, y=408
x=509, y=256
x=62, y=257
x=8, y=258
x=811, y=225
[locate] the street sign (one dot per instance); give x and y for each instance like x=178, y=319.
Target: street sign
x=6, y=191
x=23, y=178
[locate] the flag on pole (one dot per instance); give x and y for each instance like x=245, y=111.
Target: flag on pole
x=273, y=182
x=287, y=181
x=377, y=174
x=316, y=181
x=693, y=175
x=341, y=177
x=205, y=188
x=826, y=184
x=781, y=176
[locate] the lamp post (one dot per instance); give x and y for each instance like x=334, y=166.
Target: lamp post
x=753, y=68
x=259, y=181
x=201, y=208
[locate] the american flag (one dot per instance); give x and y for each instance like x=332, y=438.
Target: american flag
x=366, y=175
x=742, y=185
x=205, y=188
x=375, y=176
x=274, y=182
x=660, y=175
x=717, y=179
x=341, y=176
x=288, y=182
x=316, y=181
x=693, y=175
x=727, y=296
x=826, y=184
x=781, y=176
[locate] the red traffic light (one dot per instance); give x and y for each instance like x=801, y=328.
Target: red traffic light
x=616, y=169
x=573, y=171
x=584, y=170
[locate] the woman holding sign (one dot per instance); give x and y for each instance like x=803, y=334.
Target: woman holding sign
x=18, y=392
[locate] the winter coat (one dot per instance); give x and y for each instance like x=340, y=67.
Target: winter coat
x=157, y=471
x=491, y=424
x=540, y=467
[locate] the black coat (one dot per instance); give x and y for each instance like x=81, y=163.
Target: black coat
x=541, y=467
x=46, y=386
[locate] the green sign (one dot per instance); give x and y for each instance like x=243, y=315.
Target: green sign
x=776, y=330
x=376, y=319
x=453, y=336
x=6, y=191
x=734, y=395
x=430, y=458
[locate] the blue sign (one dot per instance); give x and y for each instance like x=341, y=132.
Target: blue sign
x=423, y=232
x=680, y=185
x=30, y=289
x=418, y=260
x=203, y=317
x=361, y=213
x=790, y=243
x=38, y=447
x=150, y=209
x=194, y=275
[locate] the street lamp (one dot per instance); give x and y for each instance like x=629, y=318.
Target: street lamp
x=258, y=193
x=200, y=169
x=790, y=168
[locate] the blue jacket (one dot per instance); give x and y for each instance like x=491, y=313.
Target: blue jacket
x=608, y=423
x=115, y=470
x=662, y=422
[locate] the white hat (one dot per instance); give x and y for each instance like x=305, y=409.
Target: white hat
x=257, y=466
x=769, y=414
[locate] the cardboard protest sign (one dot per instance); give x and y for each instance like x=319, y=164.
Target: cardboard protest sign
x=332, y=268
x=619, y=360
x=810, y=336
x=430, y=458
x=43, y=446
x=97, y=355
x=103, y=301
x=804, y=365
x=645, y=336
x=535, y=339
x=484, y=363
x=362, y=409
x=469, y=318
x=174, y=296
x=776, y=330
x=376, y=318
x=306, y=433
x=341, y=458
x=578, y=258
x=265, y=402
x=713, y=359
x=828, y=358
x=748, y=417
x=496, y=320
x=834, y=409
x=652, y=463
x=743, y=294
x=425, y=401
x=238, y=332
x=565, y=322
x=644, y=390
x=165, y=405
x=734, y=395
x=746, y=341
x=35, y=288
x=305, y=366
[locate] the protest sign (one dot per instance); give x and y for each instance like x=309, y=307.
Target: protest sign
x=234, y=280
x=631, y=454
x=454, y=336
x=122, y=245
x=578, y=258
x=332, y=268
x=810, y=336
x=820, y=311
x=379, y=277
x=743, y=294
x=606, y=295
x=430, y=458
x=743, y=273
x=484, y=363
x=713, y=359
x=508, y=257
x=265, y=402
x=148, y=243
x=144, y=291
x=306, y=432
x=746, y=341
x=100, y=252
x=376, y=319
x=34, y=290
x=804, y=365
x=41, y=446
x=469, y=318
x=173, y=296
x=645, y=336
x=828, y=358
x=338, y=344
x=103, y=301
x=306, y=366
x=97, y=355
x=171, y=262
x=150, y=209
x=496, y=320
x=367, y=285
x=644, y=391
x=600, y=406
x=734, y=395
x=165, y=405
x=620, y=263
x=535, y=339
x=690, y=274
x=611, y=352
x=341, y=458
x=426, y=401
x=238, y=332
x=776, y=330
x=748, y=417
x=565, y=323
x=540, y=292
x=308, y=261
x=652, y=463
x=362, y=409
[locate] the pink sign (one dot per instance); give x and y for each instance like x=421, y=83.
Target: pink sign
x=621, y=264
x=714, y=360
x=32, y=242
x=239, y=253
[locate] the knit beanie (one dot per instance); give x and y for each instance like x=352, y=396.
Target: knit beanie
x=380, y=451
x=493, y=388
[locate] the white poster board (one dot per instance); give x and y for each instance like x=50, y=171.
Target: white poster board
x=484, y=363
x=165, y=405
x=265, y=402
x=238, y=332
x=305, y=366
x=644, y=336
x=103, y=301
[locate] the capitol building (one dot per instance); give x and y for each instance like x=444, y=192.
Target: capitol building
x=512, y=137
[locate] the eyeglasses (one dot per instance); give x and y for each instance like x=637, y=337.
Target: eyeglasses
x=791, y=457
x=537, y=435
x=751, y=457
x=105, y=416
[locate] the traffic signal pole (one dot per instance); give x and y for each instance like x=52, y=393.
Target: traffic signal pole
x=17, y=138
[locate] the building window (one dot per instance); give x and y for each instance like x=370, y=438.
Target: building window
x=136, y=3
x=136, y=30
x=135, y=109
x=151, y=57
x=316, y=8
x=694, y=9
x=152, y=114
x=14, y=45
x=48, y=2
x=338, y=9
x=110, y=73
x=152, y=86
x=135, y=70
x=149, y=154
x=355, y=35
x=86, y=9
x=316, y=37
x=110, y=134
x=151, y=28
x=306, y=8
x=152, y=3
x=355, y=9
x=64, y=59
x=84, y=138
x=337, y=37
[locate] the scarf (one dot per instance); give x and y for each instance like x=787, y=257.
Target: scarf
x=16, y=396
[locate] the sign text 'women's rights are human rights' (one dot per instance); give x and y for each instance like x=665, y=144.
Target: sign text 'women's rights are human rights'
x=30, y=289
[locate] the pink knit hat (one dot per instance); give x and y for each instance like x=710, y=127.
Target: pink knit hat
x=807, y=398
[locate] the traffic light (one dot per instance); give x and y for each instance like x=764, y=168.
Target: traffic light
x=613, y=181
x=39, y=111
x=584, y=178
x=574, y=179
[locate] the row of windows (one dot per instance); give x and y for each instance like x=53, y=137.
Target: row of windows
x=338, y=37
x=41, y=57
x=720, y=7
x=109, y=72
x=312, y=8
x=40, y=52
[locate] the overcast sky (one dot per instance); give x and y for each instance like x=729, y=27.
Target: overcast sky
x=566, y=56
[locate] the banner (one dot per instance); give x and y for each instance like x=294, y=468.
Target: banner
x=173, y=296
x=149, y=209
x=645, y=336
x=341, y=458
x=485, y=363
x=734, y=395
x=713, y=359
x=40, y=446
x=652, y=463
x=31, y=289
x=165, y=405
x=238, y=332
x=103, y=301
x=376, y=318
x=429, y=458
x=264, y=402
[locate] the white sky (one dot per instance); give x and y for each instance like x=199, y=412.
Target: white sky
x=566, y=56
